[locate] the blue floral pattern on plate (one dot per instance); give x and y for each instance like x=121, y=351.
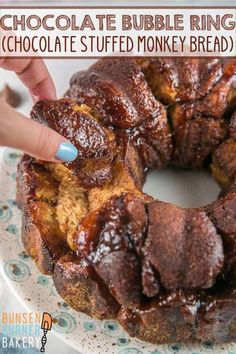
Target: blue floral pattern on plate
x=37, y=292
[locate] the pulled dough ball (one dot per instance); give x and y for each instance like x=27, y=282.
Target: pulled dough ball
x=94, y=142
x=166, y=273
x=118, y=91
x=119, y=94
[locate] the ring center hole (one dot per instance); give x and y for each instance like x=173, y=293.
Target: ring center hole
x=184, y=188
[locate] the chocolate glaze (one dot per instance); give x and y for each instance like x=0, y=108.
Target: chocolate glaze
x=117, y=90
x=182, y=79
x=109, y=239
x=171, y=270
x=183, y=246
x=182, y=315
x=93, y=141
x=200, y=92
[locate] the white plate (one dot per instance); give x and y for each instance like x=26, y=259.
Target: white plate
x=37, y=292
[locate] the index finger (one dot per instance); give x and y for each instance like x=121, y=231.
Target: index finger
x=34, y=74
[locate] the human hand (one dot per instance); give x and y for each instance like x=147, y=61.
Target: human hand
x=24, y=134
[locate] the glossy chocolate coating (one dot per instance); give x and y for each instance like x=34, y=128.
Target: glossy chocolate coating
x=182, y=79
x=183, y=246
x=94, y=144
x=199, y=92
x=128, y=97
x=117, y=90
x=167, y=318
x=172, y=271
x=108, y=239
x=182, y=316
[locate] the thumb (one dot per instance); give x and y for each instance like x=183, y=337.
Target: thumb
x=35, y=139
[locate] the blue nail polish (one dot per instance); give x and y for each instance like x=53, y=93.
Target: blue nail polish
x=66, y=152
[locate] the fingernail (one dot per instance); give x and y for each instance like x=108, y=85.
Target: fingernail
x=66, y=152
x=35, y=98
